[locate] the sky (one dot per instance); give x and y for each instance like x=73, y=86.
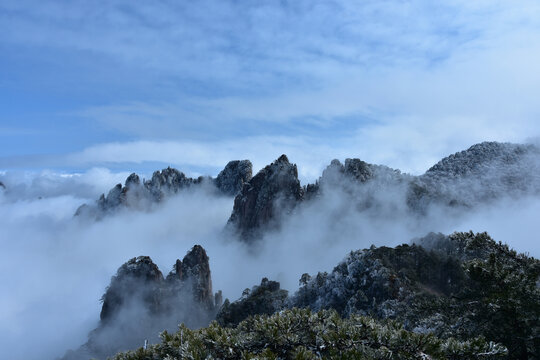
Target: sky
x=141, y=85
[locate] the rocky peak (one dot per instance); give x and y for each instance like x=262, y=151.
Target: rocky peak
x=194, y=260
x=358, y=169
x=139, y=303
x=354, y=169
x=176, y=273
x=163, y=184
x=167, y=181
x=141, y=267
x=274, y=190
x=195, y=269
x=233, y=177
x=352, y=175
x=133, y=180
x=2, y=185
x=114, y=198
x=335, y=165
x=137, y=278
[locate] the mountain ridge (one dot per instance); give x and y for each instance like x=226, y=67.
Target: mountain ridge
x=482, y=173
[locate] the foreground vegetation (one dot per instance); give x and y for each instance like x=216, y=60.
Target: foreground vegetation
x=302, y=334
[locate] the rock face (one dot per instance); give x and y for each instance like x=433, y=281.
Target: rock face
x=135, y=194
x=2, y=185
x=163, y=184
x=273, y=191
x=138, y=279
x=265, y=299
x=139, y=303
x=351, y=175
x=194, y=270
x=169, y=181
x=233, y=177
x=483, y=173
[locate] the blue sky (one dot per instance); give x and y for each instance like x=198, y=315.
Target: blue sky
x=133, y=85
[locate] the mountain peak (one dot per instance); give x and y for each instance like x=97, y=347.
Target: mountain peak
x=283, y=159
x=256, y=205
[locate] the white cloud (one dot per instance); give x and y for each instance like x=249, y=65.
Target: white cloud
x=484, y=88
x=409, y=144
x=28, y=185
x=430, y=78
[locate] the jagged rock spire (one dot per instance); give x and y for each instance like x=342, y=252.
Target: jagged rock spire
x=139, y=303
x=165, y=183
x=274, y=190
x=138, y=278
x=195, y=269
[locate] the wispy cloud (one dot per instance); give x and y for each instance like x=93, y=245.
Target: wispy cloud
x=401, y=83
x=408, y=143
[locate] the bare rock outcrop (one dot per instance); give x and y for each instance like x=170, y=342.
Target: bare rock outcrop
x=139, y=303
x=195, y=270
x=275, y=190
x=169, y=181
x=138, y=279
x=352, y=174
x=233, y=177
x=137, y=194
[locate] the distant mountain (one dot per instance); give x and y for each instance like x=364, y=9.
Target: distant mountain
x=483, y=173
x=479, y=175
x=163, y=184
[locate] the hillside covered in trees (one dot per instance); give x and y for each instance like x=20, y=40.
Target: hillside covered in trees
x=462, y=296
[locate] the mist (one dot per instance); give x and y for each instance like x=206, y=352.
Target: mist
x=56, y=266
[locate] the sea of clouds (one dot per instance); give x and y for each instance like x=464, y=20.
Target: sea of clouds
x=55, y=267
